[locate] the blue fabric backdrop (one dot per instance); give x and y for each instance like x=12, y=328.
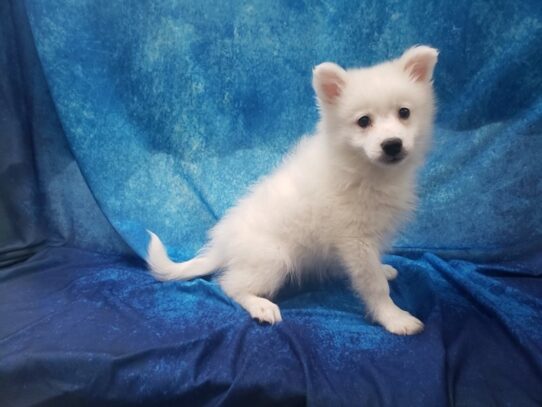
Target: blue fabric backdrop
x=121, y=116
x=172, y=108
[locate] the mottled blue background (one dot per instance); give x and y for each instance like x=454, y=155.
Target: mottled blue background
x=173, y=108
x=121, y=116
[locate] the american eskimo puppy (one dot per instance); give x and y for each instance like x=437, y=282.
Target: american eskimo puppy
x=337, y=197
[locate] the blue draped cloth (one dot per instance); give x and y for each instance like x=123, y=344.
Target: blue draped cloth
x=117, y=117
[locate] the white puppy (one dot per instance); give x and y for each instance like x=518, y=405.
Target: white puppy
x=337, y=197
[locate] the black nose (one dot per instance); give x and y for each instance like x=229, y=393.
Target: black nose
x=392, y=146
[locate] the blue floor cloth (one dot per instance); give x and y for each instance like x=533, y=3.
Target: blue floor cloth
x=81, y=328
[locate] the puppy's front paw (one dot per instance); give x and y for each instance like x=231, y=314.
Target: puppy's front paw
x=402, y=323
x=263, y=310
x=389, y=271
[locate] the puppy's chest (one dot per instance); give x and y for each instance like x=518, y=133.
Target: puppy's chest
x=366, y=212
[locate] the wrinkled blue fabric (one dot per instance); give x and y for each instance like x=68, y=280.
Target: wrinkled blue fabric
x=117, y=117
x=84, y=328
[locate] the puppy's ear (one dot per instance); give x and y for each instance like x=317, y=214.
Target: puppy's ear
x=419, y=62
x=328, y=81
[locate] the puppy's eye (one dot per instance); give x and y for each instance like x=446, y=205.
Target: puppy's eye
x=404, y=113
x=364, y=121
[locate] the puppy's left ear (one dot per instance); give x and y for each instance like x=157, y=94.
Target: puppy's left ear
x=419, y=62
x=328, y=81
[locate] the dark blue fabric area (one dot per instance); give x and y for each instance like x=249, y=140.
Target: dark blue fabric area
x=173, y=108
x=85, y=329
x=44, y=200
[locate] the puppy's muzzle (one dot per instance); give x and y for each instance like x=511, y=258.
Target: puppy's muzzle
x=392, y=150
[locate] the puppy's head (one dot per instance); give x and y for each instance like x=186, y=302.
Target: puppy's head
x=382, y=113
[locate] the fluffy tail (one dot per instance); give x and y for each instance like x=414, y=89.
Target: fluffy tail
x=163, y=268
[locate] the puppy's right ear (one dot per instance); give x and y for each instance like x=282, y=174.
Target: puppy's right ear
x=419, y=62
x=328, y=81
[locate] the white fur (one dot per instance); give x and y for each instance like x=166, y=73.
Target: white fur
x=332, y=200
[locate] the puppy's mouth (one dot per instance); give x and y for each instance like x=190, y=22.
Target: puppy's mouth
x=392, y=160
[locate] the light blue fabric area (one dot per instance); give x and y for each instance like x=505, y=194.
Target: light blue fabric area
x=173, y=108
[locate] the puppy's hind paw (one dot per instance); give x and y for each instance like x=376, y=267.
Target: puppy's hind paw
x=263, y=310
x=403, y=324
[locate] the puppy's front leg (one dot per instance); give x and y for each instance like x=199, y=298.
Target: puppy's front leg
x=363, y=264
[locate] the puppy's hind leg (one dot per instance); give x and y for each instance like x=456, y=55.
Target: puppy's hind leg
x=249, y=287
